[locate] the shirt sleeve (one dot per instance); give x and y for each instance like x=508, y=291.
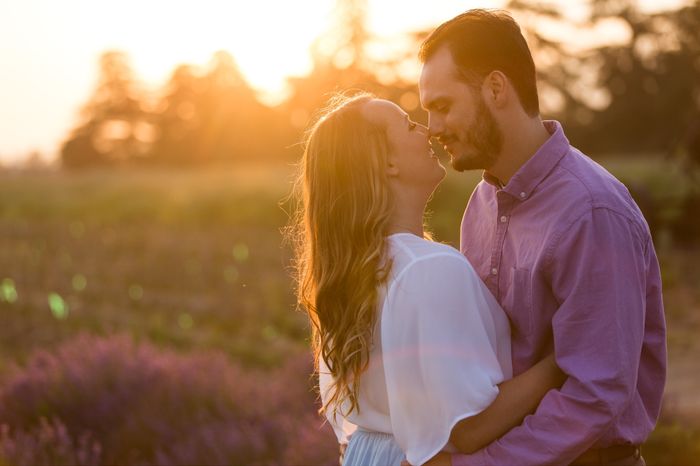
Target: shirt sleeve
x=439, y=353
x=341, y=426
x=598, y=274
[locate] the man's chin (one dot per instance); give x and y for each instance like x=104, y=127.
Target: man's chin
x=466, y=162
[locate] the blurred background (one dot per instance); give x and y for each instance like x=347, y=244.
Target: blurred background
x=147, y=151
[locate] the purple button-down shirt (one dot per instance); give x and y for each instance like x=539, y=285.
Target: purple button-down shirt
x=568, y=254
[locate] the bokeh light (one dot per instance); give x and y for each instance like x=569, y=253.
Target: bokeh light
x=185, y=321
x=240, y=252
x=79, y=282
x=59, y=308
x=136, y=292
x=8, y=292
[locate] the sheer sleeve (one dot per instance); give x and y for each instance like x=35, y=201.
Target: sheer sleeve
x=439, y=346
x=341, y=426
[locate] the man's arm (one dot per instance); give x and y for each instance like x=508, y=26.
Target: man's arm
x=517, y=397
x=598, y=274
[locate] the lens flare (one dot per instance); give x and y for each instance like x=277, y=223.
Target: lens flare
x=59, y=308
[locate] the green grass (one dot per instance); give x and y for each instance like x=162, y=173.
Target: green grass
x=186, y=260
x=194, y=260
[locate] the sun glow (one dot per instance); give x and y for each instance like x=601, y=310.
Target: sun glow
x=51, y=49
x=268, y=39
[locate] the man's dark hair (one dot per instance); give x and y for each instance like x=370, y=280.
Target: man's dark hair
x=482, y=41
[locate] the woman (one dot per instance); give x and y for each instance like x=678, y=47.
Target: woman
x=413, y=352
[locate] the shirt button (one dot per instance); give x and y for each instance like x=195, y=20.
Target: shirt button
x=523, y=195
x=504, y=219
x=494, y=271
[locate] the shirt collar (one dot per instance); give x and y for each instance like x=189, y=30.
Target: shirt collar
x=536, y=169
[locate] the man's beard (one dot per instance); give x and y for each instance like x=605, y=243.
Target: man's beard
x=486, y=141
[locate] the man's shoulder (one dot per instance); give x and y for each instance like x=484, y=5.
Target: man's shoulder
x=589, y=186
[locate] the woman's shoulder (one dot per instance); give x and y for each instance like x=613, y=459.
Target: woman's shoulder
x=417, y=249
x=415, y=256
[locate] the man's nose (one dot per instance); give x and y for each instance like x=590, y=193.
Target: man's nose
x=435, y=127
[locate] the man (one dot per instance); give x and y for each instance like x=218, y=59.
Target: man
x=558, y=241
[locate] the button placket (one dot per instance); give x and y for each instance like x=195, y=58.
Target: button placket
x=505, y=204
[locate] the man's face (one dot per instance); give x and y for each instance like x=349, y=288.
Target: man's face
x=458, y=115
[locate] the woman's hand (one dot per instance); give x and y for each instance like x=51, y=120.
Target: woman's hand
x=441, y=459
x=341, y=456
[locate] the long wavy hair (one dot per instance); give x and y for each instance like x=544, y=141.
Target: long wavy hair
x=339, y=233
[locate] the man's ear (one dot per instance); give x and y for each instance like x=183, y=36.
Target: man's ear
x=496, y=88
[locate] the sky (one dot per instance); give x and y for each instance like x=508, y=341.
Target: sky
x=49, y=49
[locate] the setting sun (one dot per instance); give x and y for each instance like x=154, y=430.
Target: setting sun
x=265, y=37
x=268, y=39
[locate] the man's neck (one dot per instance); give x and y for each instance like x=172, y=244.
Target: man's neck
x=520, y=143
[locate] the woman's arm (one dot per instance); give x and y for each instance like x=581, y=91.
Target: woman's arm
x=440, y=361
x=517, y=398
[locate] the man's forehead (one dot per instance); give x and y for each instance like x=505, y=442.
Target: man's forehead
x=437, y=73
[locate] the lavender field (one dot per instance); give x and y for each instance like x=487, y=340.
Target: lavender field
x=148, y=318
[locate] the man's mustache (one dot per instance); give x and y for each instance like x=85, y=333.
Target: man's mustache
x=444, y=140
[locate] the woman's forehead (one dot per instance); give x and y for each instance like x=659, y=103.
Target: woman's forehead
x=383, y=112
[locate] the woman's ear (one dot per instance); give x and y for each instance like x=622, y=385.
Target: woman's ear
x=392, y=168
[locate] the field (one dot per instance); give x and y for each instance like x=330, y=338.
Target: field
x=193, y=263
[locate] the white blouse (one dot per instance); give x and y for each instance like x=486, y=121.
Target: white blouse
x=441, y=346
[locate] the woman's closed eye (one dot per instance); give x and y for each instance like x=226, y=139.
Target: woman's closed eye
x=412, y=125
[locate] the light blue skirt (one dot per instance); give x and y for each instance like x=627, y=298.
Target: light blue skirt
x=367, y=448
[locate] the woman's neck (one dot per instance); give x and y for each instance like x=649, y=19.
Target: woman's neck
x=408, y=216
x=414, y=230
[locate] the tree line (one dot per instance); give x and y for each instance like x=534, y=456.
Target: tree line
x=639, y=96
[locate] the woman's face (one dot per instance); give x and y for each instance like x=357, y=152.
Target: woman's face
x=411, y=158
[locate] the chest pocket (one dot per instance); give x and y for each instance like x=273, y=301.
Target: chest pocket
x=521, y=304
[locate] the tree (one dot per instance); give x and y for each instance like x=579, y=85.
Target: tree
x=114, y=127
x=651, y=80
x=178, y=118
x=233, y=124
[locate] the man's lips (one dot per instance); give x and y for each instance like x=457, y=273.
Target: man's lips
x=446, y=142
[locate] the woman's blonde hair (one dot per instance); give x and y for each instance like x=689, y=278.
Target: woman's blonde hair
x=340, y=235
